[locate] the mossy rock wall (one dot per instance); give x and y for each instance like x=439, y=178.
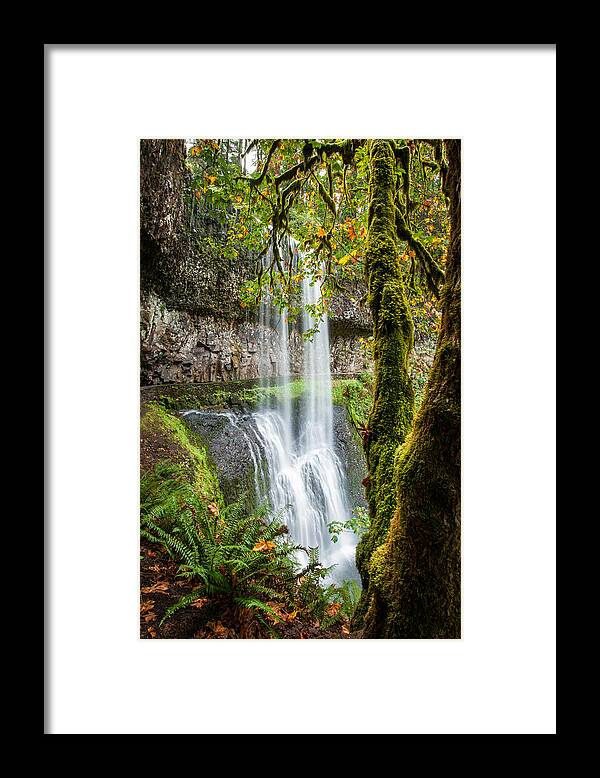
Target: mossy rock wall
x=224, y=416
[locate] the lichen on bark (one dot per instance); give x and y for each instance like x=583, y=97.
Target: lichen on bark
x=414, y=586
x=393, y=395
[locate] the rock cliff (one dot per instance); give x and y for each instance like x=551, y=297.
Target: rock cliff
x=192, y=326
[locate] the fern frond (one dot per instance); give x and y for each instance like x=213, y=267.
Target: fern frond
x=187, y=599
x=250, y=602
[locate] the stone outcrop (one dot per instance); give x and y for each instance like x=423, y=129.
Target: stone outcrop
x=226, y=437
x=179, y=347
x=191, y=323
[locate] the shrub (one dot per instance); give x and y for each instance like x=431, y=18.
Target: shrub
x=240, y=558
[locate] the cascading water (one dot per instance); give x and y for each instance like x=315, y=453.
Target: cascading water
x=306, y=481
x=296, y=468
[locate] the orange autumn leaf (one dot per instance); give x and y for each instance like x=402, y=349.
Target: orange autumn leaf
x=333, y=608
x=217, y=628
x=321, y=232
x=146, y=605
x=152, y=632
x=264, y=545
x=200, y=602
x=346, y=630
x=159, y=586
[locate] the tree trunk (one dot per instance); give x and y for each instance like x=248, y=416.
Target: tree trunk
x=414, y=581
x=393, y=403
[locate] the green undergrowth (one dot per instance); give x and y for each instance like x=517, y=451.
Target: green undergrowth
x=181, y=454
x=235, y=393
x=356, y=395
x=256, y=395
x=241, y=560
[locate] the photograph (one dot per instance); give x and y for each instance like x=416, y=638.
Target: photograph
x=300, y=454
x=285, y=402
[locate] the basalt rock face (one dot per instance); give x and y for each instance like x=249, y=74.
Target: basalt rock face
x=191, y=323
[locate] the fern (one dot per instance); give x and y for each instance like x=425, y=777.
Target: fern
x=223, y=553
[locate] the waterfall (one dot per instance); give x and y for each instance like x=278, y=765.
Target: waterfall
x=306, y=485
x=291, y=443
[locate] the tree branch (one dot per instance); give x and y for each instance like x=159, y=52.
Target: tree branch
x=434, y=275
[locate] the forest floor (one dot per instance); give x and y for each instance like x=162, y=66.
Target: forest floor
x=160, y=588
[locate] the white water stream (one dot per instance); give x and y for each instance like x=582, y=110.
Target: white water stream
x=296, y=467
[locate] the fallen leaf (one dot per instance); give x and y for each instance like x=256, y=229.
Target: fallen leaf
x=150, y=617
x=159, y=586
x=333, y=608
x=346, y=630
x=200, y=602
x=217, y=628
x=264, y=545
x=152, y=632
x=146, y=605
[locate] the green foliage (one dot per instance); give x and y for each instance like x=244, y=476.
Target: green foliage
x=331, y=604
x=241, y=558
x=356, y=395
x=195, y=458
x=163, y=490
x=316, y=191
x=357, y=523
x=349, y=593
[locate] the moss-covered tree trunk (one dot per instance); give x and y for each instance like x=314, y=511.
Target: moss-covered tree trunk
x=414, y=581
x=393, y=403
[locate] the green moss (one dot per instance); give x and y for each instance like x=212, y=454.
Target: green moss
x=415, y=572
x=257, y=395
x=203, y=472
x=356, y=396
x=178, y=397
x=393, y=395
